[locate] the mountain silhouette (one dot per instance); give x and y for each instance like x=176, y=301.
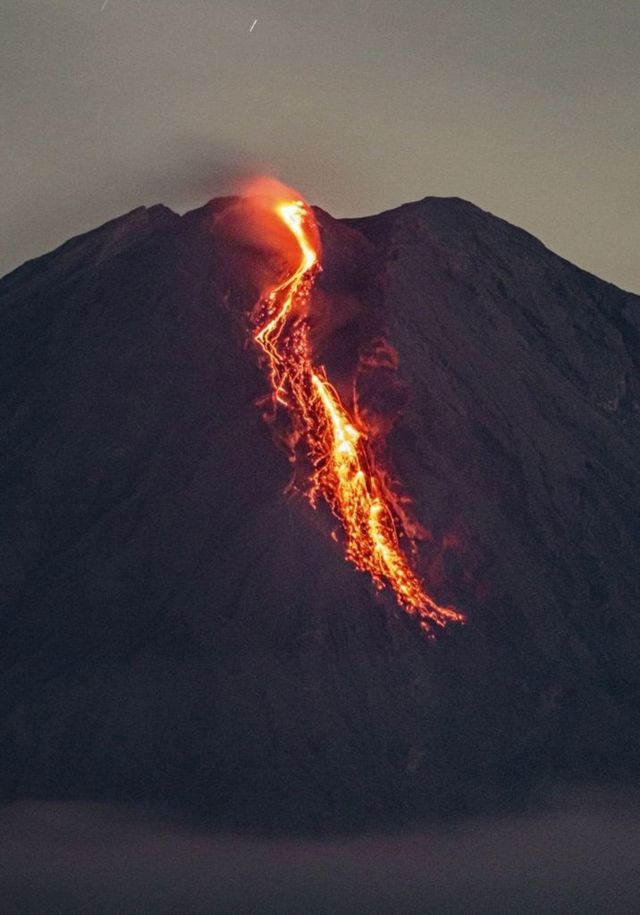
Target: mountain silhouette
x=179, y=630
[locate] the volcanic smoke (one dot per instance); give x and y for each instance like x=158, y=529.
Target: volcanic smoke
x=344, y=470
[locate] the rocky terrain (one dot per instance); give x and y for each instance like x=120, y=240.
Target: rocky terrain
x=178, y=633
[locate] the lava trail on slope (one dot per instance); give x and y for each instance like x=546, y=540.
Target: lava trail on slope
x=345, y=472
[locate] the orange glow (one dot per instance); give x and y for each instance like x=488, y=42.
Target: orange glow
x=344, y=471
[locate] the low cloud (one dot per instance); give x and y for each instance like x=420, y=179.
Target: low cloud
x=579, y=856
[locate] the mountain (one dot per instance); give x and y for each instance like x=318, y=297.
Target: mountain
x=179, y=632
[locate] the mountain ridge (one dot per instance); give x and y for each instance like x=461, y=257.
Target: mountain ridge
x=355, y=221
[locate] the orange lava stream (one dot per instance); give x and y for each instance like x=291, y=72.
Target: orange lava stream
x=345, y=473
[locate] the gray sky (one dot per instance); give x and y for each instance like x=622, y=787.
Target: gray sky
x=529, y=108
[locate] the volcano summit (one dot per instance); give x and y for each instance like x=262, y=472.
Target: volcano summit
x=179, y=626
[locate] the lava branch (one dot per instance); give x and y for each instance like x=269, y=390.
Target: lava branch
x=345, y=473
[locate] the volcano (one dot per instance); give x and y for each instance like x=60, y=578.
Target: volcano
x=179, y=627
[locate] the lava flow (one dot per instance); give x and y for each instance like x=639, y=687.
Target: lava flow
x=344, y=469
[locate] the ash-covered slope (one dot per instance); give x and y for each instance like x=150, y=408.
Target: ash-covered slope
x=176, y=631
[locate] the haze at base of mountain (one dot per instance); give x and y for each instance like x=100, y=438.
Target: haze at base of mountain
x=578, y=853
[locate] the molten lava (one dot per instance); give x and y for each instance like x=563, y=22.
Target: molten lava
x=344, y=469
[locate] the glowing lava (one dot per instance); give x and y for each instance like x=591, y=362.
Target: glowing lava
x=344, y=470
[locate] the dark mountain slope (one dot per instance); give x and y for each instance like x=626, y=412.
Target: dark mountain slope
x=526, y=404
x=177, y=631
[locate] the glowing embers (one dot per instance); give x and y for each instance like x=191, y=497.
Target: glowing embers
x=344, y=470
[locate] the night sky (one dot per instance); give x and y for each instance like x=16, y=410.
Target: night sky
x=530, y=110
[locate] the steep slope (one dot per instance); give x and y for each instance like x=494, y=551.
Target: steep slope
x=176, y=630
